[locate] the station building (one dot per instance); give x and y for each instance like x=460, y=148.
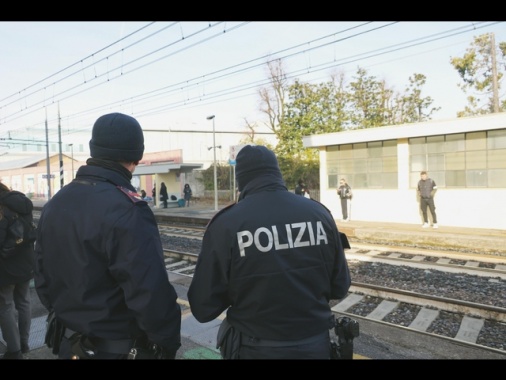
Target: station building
x=40, y=180
x=25, y=167
x=466, y=157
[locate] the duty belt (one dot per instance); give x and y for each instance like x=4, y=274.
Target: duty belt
x=112, y=346
x=255, y=342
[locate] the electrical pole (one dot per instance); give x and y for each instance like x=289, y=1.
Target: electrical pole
x=48, y=164
x=494, y=74
x=59, y=142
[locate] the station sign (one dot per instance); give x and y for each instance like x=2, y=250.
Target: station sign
x=234, y=150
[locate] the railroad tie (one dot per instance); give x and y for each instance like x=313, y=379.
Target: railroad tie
x=384, y=308
x=470, y=329
x=424, y=319
x=175, y=264
x=347, y=302
x=418, y=258
x=184, y=269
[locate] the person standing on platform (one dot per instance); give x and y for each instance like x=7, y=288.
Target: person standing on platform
x=345, y=195
x=16, y=271
x=164, y=195
x=99, y=266
x=426, y=190
x=301, y=188
x=187, y=192
x=272, y=261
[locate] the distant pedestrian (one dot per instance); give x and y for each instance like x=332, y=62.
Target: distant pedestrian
x=145, y=197
x=16, y=271
x=301, y=188
x=426, y=190
x=345, y=195
x=187, y=191
x=153, y=193
x=164, y=195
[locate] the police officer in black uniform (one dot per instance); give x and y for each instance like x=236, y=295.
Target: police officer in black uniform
x=99, y=256
x=273, y=261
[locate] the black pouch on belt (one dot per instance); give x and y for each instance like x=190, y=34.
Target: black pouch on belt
x=228, y=341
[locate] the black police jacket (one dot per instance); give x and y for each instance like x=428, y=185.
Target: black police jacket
x=100, y=264
x=18, y=267
x=274, y=260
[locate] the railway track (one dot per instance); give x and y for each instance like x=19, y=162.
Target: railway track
x=407, y=312
x=450, y=328
x=450, y=261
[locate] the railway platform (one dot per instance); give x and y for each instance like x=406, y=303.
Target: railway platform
x=491, y=241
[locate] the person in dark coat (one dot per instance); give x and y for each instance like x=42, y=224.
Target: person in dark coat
x=16, y=271
x=99, y=257
x=164, y=195
x=187, y=193
x=272, y=261
x=301, y=188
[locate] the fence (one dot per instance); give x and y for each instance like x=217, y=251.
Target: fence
x=227, y=196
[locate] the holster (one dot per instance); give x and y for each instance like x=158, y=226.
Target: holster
x=346, y=329
x=55, y=331
x=228, y=341
x=143, y=349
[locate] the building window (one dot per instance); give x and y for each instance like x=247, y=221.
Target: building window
x=371, y=165
x=465, y=160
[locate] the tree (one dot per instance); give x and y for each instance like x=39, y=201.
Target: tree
x=272, y=99
x=481, y=73
x=302, y=109
x=251, y=138
x=304, y=164
x=223, y=177
x=369, y=101
x=411, y=107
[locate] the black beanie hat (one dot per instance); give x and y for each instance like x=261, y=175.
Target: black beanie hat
x=117, y=137
x=253, y=161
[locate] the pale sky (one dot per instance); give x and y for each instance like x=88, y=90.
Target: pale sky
x=172, y=75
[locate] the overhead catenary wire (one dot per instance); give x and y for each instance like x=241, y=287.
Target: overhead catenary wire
x=143, y=98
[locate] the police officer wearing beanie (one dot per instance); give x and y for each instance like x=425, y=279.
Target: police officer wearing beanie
x=99, y=256
x=272, y=261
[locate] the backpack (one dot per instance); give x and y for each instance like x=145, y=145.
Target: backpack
x=21, y=231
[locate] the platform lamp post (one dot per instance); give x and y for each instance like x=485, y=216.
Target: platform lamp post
x=72, y=155
x=214, y=164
